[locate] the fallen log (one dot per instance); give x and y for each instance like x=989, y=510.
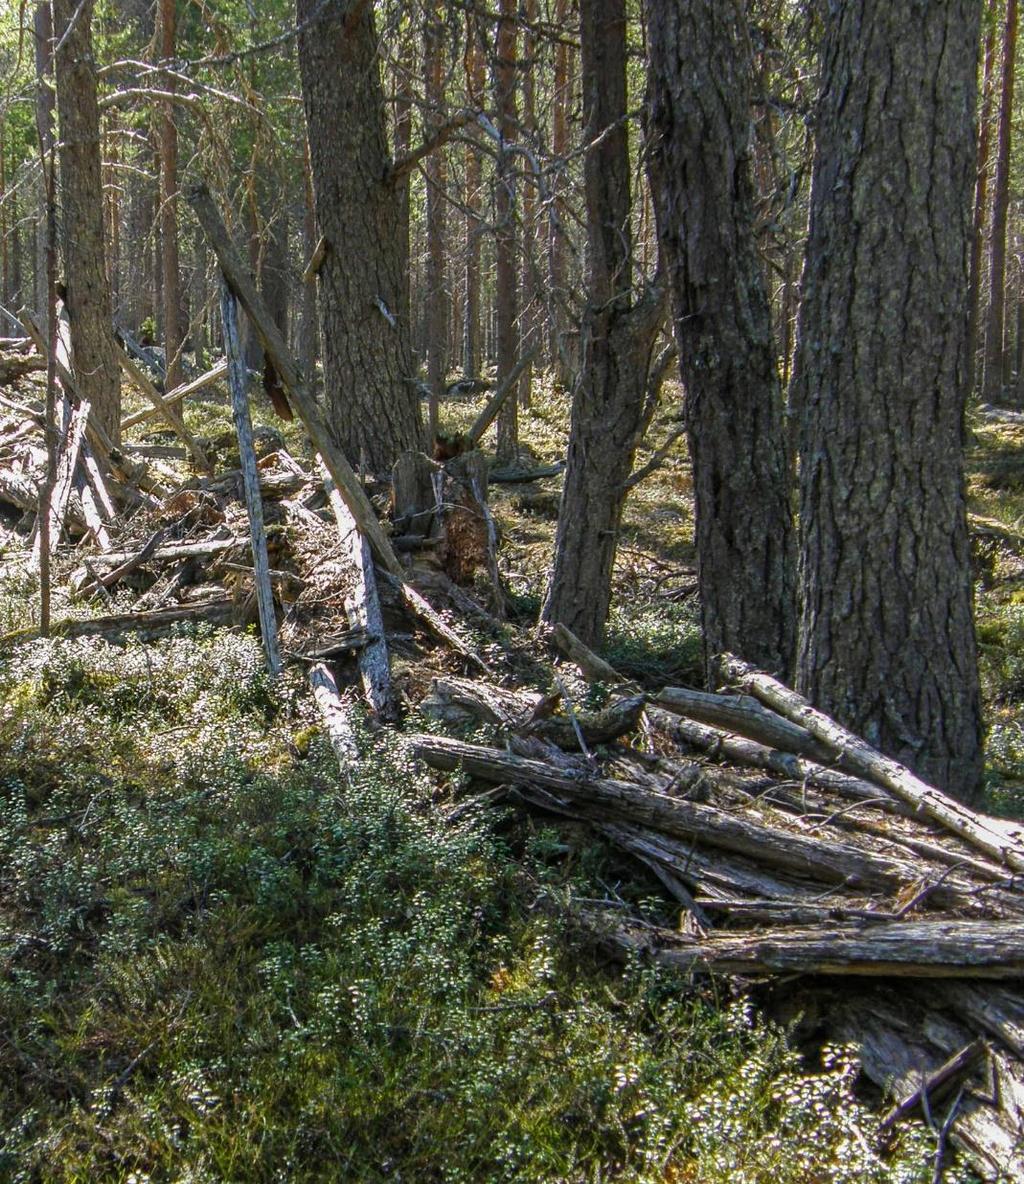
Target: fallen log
x=435, y=622
x=592, y=667
x=1001, y=841
x=170, y=413
x=336, y=715
x=15, y=366
x=497, y=400
x=918, y=949
x=612, y=800
x=744, y=716
x=238, y=381
x=172, y=552
x=364, y=611
x=147, y=625
x=241, y=283
x=174, y=397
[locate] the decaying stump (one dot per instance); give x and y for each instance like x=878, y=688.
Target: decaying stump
x=444, y=506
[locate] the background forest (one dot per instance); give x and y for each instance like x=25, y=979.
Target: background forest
x=763, y=394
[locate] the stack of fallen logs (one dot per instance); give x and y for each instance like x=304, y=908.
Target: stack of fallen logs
x=796, y=852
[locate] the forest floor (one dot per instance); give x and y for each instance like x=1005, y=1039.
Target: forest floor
x=220, y=963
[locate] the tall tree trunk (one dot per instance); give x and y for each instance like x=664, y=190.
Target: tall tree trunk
x=88, y=293
x=529, y=318
x=702, y=179
x=561, y=101
x=373, y=405
x=886, y=637
x=506, y=293
x=994, y=328
x=618, y=335
x=471, y=322
x=308, y=345
x=980, y=207
x=42, y=19
x=169, y=264
x=436, y=297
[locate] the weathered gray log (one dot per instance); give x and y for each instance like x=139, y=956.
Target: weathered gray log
x=67, y=463
x=516, y=711
x=147, y=625
x=497, y=400
x=95, y=581
x=364, y=611
x=936, y=1085
x=174, y=397
x=15, y=366
x=170, y=413
x=336, y=716
x=238, y=381
x=301, y=397
x=611, y=800
x=435, y=622
x=745, y=716
x=997, y=1011
x=1000, y=840
x=592, y=667
x=524, y=476
x=172, y=552
x=915, y=949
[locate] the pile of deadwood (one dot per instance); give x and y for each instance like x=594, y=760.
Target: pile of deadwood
x=863, y=905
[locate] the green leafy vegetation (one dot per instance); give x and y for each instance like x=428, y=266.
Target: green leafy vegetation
x=220, y=961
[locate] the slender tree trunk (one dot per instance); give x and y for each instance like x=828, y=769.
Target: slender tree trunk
x=436, y=297
x=994, y=328
x=618, y=335
x=506, y=293
x=561, y=101
x=702, y=178
x=88, y=294
x=529, y=318
x=471, y=323
x=403, y=142
x=308, y=350
x=886, y=638
x=980, y=207
x=169, y=207
x=373, y=403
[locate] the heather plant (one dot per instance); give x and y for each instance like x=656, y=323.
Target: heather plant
x=221, y=960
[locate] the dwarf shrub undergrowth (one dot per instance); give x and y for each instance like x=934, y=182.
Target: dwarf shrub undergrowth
x=221, y=962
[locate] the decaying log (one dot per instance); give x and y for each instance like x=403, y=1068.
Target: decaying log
x=170, y=413
x=524, y=476
x=522, y=712
x=301, y=397
x=146, y=625
x=936, y=1085
x=608, y=799
x=364, y=611
x=67, y=463
x=743, y=715
x=496, y=401
x=593, y=668
x=15, y=366
x=110, y=578
x=172, y=552
x=336, y=715
x=919, y=949
x=435, y=622
x=1000, y=840
x=174, y=397
x=238, y=381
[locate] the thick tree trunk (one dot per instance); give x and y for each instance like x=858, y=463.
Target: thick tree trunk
x=475, y=81
x=372, y=404
x=995, y=379
x=701, y=175
x=608, y=401
x=886, y=639
x=557, y=250
x=308, y=345
x=97, y=374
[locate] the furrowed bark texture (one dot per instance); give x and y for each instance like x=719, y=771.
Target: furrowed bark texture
x=702, y=178
x=618, y=332
x=887, y=640
x=97, y=375
x=373, y=406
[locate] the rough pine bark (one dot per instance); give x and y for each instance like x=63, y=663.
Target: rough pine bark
x=699, y=160
x=886, y=634
x=372, y=402
x=88, y=292
x=170, y=264
x=506, y=296
x=618, y=333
